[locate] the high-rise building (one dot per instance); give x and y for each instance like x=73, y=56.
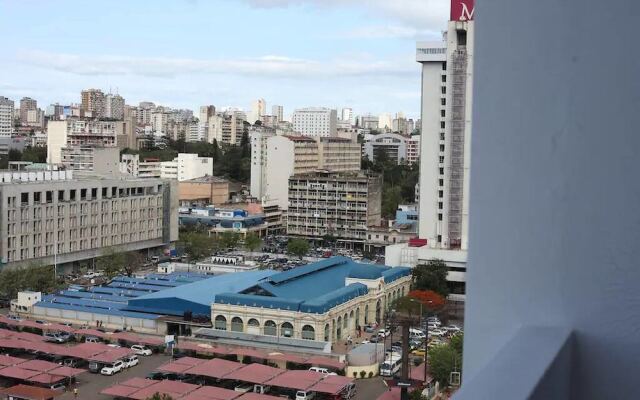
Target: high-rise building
x=113, y=107
x=258, y=137
x=227, y=127
x=315, y=121
x=159, y=120
x=55, y=111
x=6, y=116
x=207, y=112
x=278, y=112
x=343, y=205
x=27, y=104
x=93, y=103
x=186, y=166
x=347, y=114
x=368, y=121
x=446, y=135
x=71, y=217
x=258, y=109
x=385, y=122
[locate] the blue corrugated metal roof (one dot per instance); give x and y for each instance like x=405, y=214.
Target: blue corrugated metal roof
x=95, y=296
x=52, y=298
x=196, y=296
x=119, y=291
x=152, y=282
x=324, y=303
x=393, y=274
x=136, y=286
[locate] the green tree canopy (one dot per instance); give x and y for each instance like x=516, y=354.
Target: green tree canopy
x=443, y=360
x=36, y=277
x=432, y=276
x=298, y=247
x=197, y=244
x=111, y=262
x=252, y=242
x=229, y=240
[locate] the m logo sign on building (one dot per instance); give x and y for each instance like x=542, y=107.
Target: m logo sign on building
x=462, y=10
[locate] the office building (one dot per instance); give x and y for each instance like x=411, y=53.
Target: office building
x=346, y=114
x=343, y=205
x=27, y=104
x=315, y=121
x=338, y=154
x=446, y=136
x=66, y=217
x=159, y=120
x=385, y=123
x=113, y=107
x=93, y=103
x=186, y=166
x=278, y=112
x=393, y=145
x=55, y=112
x=6, y=116
x=258, y=109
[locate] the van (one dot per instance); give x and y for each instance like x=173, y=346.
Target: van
x=416, y=334
x=305, y=395
x=92, y=339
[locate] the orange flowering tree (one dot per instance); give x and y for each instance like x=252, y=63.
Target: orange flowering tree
x=430, y=300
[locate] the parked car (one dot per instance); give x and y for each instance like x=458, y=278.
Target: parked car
x=92, y=339
x=323, y=371
x=452, y=328
x=115, y=346
x=58, y=386
x=383, y=333
x=305, y=395
x=438, y=332
x=156, y=376
x=419, y=352
x=130, y=361
x=374, y=339
x=141, y=350
x=112, y=369
x=57, y=337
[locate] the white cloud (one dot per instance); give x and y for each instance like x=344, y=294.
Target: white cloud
x=271, y=66
x=391, y=31
x=420, y=14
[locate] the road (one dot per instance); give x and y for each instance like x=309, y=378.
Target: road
x=89, y=385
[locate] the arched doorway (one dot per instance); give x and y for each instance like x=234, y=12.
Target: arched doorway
x=270, y=328
x=339, y=329
x=286, y=330
x=253, y=326
x=378, y=311
x=327, y=332
x=366, y=314
x=352, y=321
x=308, y=332
x=220, y=323
x=358, y=316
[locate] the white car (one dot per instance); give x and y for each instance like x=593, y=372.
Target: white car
x=452, y=328
x=116, y=346
x=323, y=371
x=383, y=333
x=141, y=350
x=305, y=395
x=131, y=361
x=438, y=332
x=112, y=369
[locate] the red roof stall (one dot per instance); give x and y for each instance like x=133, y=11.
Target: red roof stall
x=258, y=396
x=327, y=362
x=216, y=368
x=296, y=379
x=255, y=373
x=212, y=393
x=31, y=392
x=332, y=384
x=174, y=389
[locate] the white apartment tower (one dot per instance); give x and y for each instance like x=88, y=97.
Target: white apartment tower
x=446, y=132
x=347, y=114
x=315, y=121
x=258, y=109
x=114, y=106
x=278, y=112
x=6, y=116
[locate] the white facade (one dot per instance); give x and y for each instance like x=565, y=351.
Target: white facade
x=392, y=144
x=315, y=121
x=278, y=112
x=6, y=116
x=79, y=133
x=159, y=120
x=130, y=164
x=446, y=136
x=385, y=122
x=186, y=166
x=258, y=140
x=258, y=109
x=347, y=115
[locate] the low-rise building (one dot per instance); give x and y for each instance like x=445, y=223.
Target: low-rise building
x=101, y=160
x=393, y=145
x=218, y=221
x=148, y=168
x=60, y=217
x=203, y=191
x=343, y=205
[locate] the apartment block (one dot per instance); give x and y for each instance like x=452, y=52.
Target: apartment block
x=66, y=217
x=113, y=107
x=413, y=149
x=340, y=204
x=6, y=116
x=27, y=104
x=186, y=166
x=338, y=154
x=102, y=160
x=447, y=81
x=132, y=165
x=227, y=128
x=278, y=112
x=315, y=121
x=93, y=101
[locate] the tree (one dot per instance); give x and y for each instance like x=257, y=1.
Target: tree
x=133, y=260
x=34, y=277
x=252, y=242
x=229, y=240
x=329, y=240
x=197, y=244
x=432, y=276
x=298, y=247
x=391, y=198
x=443, y=360
x=431, y=300
x=457, y=342
x=111, y=262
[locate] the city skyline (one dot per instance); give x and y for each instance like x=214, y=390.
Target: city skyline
x=181, y=55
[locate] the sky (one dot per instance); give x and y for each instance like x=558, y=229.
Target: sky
x=188, y=53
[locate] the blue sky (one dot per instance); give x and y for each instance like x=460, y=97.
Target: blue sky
x=186, y=53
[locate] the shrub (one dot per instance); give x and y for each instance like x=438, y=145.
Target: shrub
x=370, y=374
x=355, y=374
x=363, y=374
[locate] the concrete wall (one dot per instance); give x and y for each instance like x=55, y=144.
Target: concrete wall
x=554, y=191
x=210, y=192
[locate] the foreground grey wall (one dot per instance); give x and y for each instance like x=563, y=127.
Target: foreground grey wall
x=555, y=192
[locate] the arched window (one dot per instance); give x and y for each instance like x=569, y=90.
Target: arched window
x=286, y=330
x=357, y=316
x=378, y=311
x=237, y=325
x=327, y=331
x=220, y=323
x=270, y=328
x=366, y=314
x=253, y=326
x=402, y=291
x=308, y=332
x=345, y=321
x=352, y=322
x=339, y=329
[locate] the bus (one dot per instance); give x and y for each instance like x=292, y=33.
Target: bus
x=390, y=366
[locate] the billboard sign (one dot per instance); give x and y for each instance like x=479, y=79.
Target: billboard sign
x=462, y=10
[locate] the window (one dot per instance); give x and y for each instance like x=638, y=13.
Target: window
x=36, y=197
x=440, y=193
x=441, y=135
x=439, y=217
x=439, y=205
x=444, y=66
x=441, y=124
x=444, y=78
x=441, y=171
x=441, y=147
x=439, y=238
x=443, y=89
x=443, y=101
x=220, y=323
x=441, y=182
x=442, y=113
x=308, y=332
